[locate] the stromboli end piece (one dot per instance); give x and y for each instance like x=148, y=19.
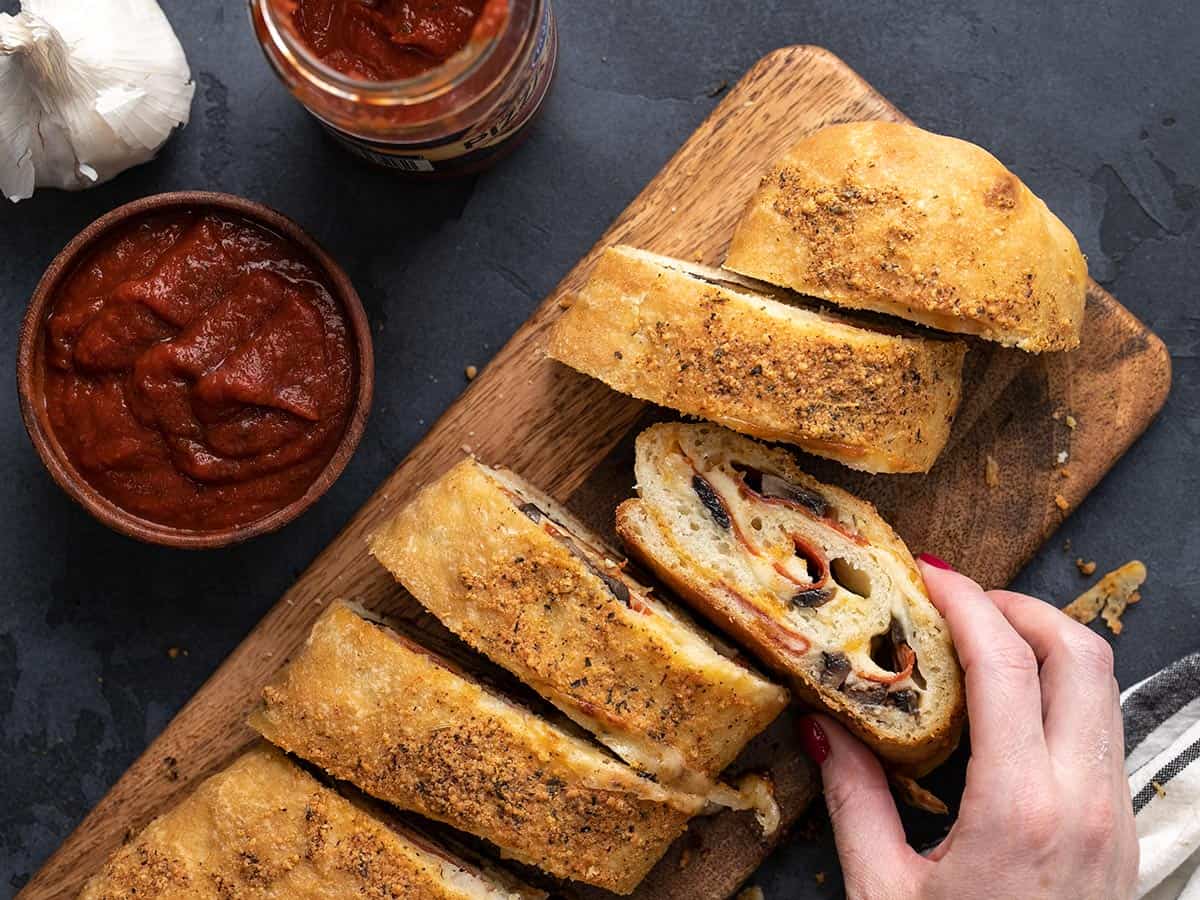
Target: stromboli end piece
x=887, y=217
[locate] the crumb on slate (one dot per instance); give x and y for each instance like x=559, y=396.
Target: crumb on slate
x=176, y=652
x=1109, y=597
x=471, y=372
x=1085, y=568
x=754, y=892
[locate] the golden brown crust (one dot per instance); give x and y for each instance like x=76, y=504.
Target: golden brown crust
x=630, y=669
x=371, y=708
x=887, y=217
x=264, y=828
x=764, y=627
x=874, y=401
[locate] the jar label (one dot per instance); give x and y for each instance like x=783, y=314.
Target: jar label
x=470, y=148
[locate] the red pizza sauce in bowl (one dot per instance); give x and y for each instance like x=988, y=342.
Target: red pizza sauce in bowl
x=195, y=370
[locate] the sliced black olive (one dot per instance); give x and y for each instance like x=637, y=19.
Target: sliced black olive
x=811, y=598
x=712, y=502
x=766, y=484
x=774, y=486
x=875, y=695
x=904, y=700
x=532, y=510
x=834, y=669
x=615, y=585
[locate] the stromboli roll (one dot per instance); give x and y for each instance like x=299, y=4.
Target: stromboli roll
x=888, y=217
x=522, y=581
x=263, y=828
x=808, y=577
x=712, y=344
x=372, y=708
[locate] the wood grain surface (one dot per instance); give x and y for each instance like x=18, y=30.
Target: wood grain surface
x=572, y=436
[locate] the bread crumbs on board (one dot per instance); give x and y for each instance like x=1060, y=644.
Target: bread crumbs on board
x=991, y=471
x=1087, y=567
x=1109, y=597
x=754, y=892
x=1061, y=502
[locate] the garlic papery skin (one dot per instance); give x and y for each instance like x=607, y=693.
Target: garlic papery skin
x=87, y=90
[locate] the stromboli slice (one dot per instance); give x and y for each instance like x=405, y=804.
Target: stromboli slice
x=712, y=344
x=810, y=578
x=523, y=582
x=888, y=217
x=264, y=828
x=374, y=709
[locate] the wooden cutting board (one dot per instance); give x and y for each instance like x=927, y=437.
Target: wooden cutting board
x=573, y=436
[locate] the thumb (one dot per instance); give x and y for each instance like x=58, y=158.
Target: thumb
x=876, y=859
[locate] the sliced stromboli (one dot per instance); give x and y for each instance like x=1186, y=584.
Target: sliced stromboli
x=264, y=828
x=372, y=708
x=886, y=217
x=808, y=577
x=523, y=582
x=715, y=345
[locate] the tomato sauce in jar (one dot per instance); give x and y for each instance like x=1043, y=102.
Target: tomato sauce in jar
x=390, y=40
x=198, y=370
x=426, y=88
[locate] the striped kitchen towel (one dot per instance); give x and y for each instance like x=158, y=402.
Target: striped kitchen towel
x=1162, y=760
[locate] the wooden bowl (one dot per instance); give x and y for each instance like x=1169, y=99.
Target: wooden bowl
x=30, y=372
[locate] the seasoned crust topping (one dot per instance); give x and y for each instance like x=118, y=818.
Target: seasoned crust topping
x=654, y=328
x=364, y=705
x=829, y=390
x=887, y=217
x=521, y=581
x=262, y=828
x=839, y=223
x=595, y=662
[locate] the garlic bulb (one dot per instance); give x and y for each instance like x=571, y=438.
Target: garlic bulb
x=88, y=90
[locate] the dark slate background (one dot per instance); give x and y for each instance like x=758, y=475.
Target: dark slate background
x=1093, y=104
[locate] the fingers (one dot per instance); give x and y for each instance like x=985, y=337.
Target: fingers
x=875, y=856
x=1082, y=713
x=1080, y=701
x=1004, y=702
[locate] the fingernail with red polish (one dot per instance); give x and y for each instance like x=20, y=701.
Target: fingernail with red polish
x=813, y=740
x=935, y=562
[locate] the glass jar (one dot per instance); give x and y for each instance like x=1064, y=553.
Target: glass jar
x=456, y=118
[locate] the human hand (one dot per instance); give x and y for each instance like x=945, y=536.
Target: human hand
x=1046, y=810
